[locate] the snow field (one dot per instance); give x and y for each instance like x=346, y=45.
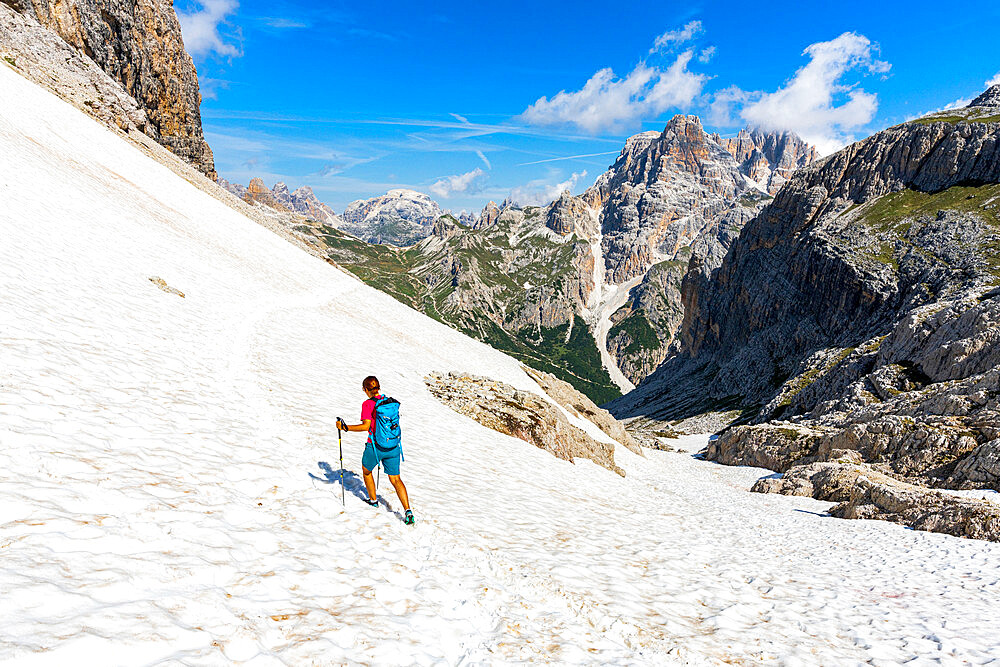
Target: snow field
x=169, y=476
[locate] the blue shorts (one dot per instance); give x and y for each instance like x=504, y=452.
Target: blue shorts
x=390, y=460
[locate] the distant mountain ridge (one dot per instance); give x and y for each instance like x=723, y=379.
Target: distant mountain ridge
x=400, y=217
x=302, y=200
x=601, y=271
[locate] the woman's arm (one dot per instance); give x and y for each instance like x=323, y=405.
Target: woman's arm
x=363, y=426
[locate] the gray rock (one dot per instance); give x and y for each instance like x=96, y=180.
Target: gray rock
x=864, y=493
x=768, y=158
x=921, y=509
x=520, y=414
x=139, y=45
x=581, y=406
x=989, y=98
x=982, y=466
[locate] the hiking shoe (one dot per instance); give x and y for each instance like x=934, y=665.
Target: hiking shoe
x=373, y=503
x=408, y=519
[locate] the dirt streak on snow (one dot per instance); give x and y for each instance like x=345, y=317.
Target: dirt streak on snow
x=170, y=483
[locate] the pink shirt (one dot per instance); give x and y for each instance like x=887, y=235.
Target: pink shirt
x=368, y=412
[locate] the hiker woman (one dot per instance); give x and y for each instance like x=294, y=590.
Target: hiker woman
x=380, y=417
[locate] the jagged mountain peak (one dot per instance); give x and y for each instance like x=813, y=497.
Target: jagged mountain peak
x=768, y=158
x=989, y=98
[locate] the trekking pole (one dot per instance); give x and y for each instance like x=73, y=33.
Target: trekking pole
x=340, y=444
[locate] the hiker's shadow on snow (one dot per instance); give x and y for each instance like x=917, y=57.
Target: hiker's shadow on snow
x=352, y=484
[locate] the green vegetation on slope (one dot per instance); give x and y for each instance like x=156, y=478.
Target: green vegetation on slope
x=641, y=334
x=983, y=200
x=957, y=116
x=892, y=215
x=419, y=277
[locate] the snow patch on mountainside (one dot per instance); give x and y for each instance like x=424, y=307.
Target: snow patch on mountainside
x=170, y=482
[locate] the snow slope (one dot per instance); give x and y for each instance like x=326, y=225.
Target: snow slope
x=169, y=489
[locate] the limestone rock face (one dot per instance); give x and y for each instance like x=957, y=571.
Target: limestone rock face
x=520, y=414
x=769, y=158
x=489, y=215
x=304, y=201
x=399, y=217
x=571, y=215
x=258, y=193
x=44, y=57
x=660, y=194
x=989, y=98
x=139, y=45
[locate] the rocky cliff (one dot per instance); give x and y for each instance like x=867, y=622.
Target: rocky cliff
x=768, y=158
x=139, y=45
x=670, y=195
x=857, y=317
x=660, y=194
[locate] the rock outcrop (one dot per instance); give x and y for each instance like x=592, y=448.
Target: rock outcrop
x=581, y=406
x=399, y=217
x=258, y=193
x=139, y=45
x=520, y=414
x=864, y=493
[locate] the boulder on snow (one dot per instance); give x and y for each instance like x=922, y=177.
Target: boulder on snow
x=581, y=406
x=865, y=493
x=521, y=414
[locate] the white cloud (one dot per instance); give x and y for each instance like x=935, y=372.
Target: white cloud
x=200, y=29
x=607, y=103
x=469, y=182
x=995, y=81
x=281, y=23
x=807, y=106
x=706, y=54
x=539, y=192
x=210, y=87
x=724, y=102
x=676, y=37
x=461, y=119
x=482, y=156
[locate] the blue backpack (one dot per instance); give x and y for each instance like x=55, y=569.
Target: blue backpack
x=387, y=434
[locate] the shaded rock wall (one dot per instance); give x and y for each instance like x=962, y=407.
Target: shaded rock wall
x=138, y=44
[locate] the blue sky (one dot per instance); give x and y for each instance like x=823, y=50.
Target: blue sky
x=476, y=101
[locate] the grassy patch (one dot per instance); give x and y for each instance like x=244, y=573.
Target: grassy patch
x=576, y=360
x=955, y=118
x=12, y=62
x=886, y=211
x=892, y=213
